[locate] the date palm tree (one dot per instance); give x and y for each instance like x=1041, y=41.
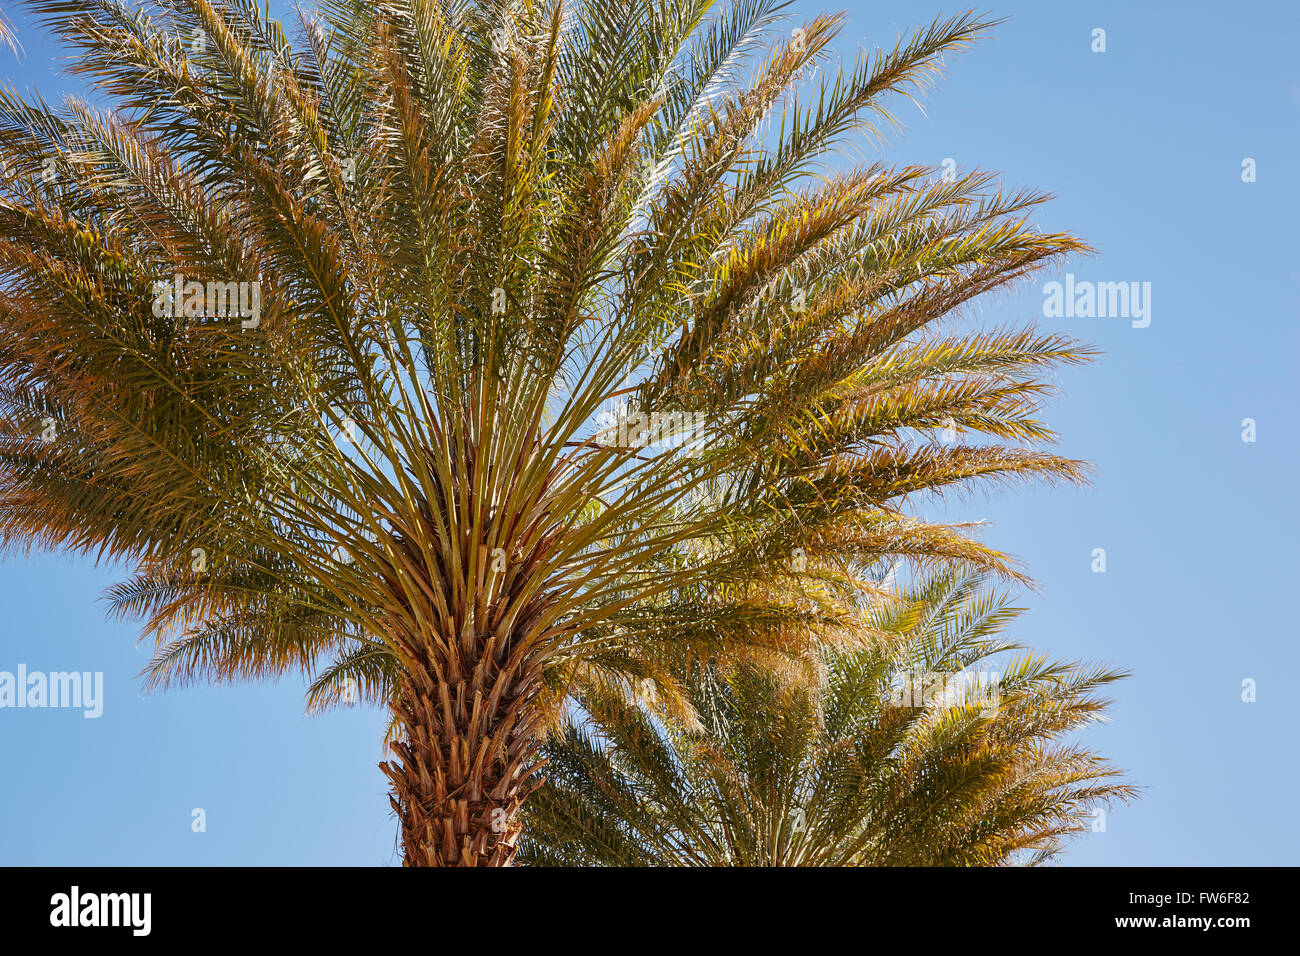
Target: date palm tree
x=442, y=354
x=932, y=747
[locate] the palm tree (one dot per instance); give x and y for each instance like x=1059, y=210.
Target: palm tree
x=909, y=751
x=442, y=355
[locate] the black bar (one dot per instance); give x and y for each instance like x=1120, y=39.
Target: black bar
x=521, y=908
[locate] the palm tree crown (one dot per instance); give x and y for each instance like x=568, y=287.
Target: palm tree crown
x=931, y=747
x=446, y=352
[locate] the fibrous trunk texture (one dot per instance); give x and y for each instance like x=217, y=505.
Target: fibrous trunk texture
x=465, y=757
x=469, y=707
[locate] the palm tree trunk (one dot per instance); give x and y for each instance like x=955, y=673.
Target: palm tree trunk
x=465, y=756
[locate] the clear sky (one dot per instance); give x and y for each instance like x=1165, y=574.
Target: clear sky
x=1143, y=145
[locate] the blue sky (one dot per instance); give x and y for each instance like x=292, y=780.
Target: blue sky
x=1143, y=146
